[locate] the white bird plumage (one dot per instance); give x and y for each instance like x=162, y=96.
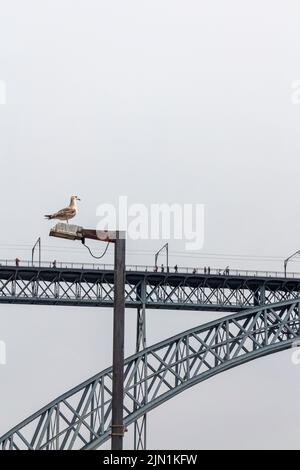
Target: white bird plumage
x=67, y=213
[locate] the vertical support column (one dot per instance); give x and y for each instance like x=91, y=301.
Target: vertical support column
x=227, y=341
x=117, y=432
x=215, y=346
x=263, y=294
x=259, y=296
x=140, y=389
x=177, y=369
x=266, y=339
x=259, y=299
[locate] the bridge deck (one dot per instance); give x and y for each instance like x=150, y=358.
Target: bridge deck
x=88, y=286
x=233, y=280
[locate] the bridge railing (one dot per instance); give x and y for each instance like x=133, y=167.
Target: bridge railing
x=150, y=268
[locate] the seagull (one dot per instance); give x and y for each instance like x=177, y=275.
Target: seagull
x=67, y=213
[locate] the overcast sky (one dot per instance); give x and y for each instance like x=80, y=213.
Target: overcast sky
x=166, y=102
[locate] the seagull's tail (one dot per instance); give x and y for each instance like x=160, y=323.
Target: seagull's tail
x=49, y=217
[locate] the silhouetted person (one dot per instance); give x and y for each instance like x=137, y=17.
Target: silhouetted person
x=155, y=269
x=54, y=264
x=162, y=268
x=208, y=270
x=205, y=270
x=17, y=261
x=176, y=268
x=194, y=271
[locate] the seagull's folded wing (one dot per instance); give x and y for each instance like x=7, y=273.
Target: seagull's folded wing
x=66, y=212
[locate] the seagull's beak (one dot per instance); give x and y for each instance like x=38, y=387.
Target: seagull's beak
x=78, y=199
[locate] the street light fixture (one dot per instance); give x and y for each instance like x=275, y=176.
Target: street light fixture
x=75, y=232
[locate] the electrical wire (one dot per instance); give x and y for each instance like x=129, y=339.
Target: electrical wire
x=96, y=257
x=145, y=252
x=51, y=248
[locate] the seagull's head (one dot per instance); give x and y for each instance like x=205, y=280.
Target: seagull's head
x=75, y=198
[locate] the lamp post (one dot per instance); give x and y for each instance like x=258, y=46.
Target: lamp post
x=118, y=345
x=39, y=244
x=165, y=247
x=288, y=259
x=74, y=232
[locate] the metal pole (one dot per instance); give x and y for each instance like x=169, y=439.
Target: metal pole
x=288, y=259
x=285, y=266
x=165, y=247
x=39, y=244
x=117, y=432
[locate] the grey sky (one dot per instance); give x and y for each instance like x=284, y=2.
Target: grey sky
x=162, y=101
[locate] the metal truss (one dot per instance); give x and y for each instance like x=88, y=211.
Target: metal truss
x=140, y=389
x=81, y=418
x=95, y=287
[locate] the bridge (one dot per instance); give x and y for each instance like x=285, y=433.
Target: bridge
x=93, y=285
x=266, y=321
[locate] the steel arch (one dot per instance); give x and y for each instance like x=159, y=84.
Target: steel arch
x=81, y=417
